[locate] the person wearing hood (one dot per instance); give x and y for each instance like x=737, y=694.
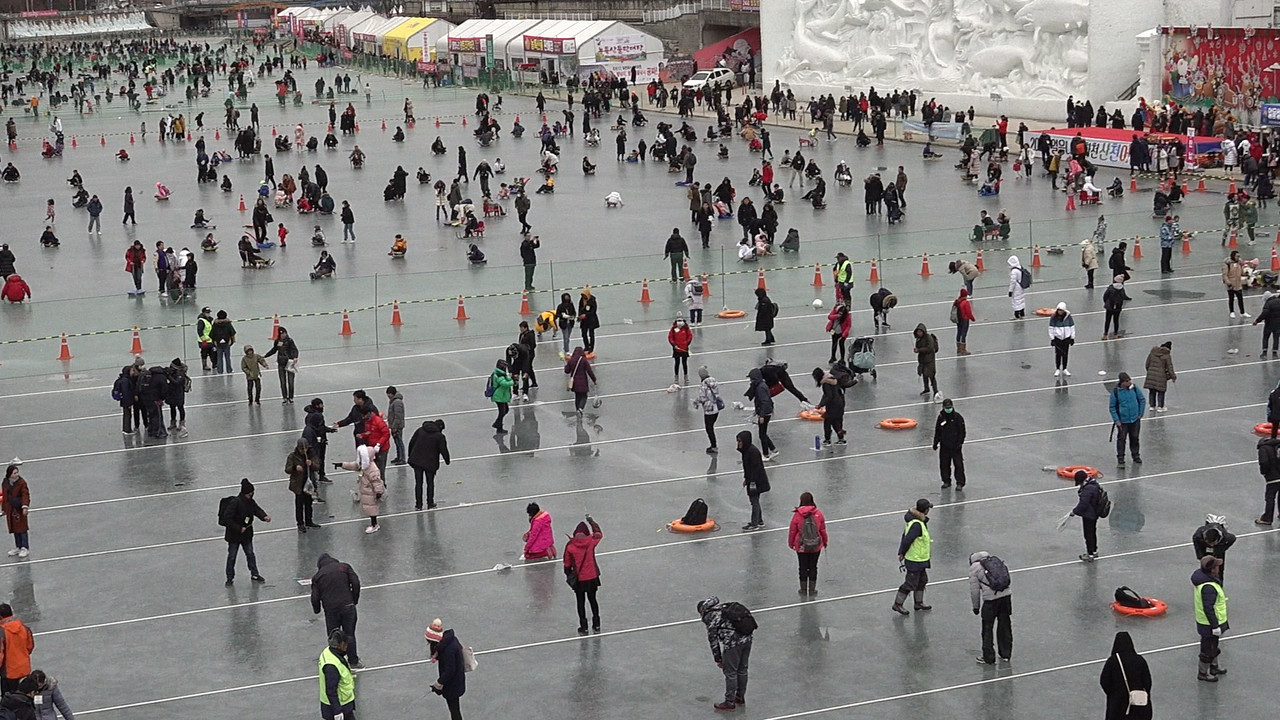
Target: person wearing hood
x=730, y=649
x=1088, y=493
x=500, y=384
x=48, y=699
x=754, y=479
x=808, y=540
x=286, y=352
x=19, y=699
x=237, y=517
x=540, y=540
x=15, y=289
x=566, y=316
x=427, y=448
x=766, y=313
x=914, y=551
x=369, y=487
x=299, y=466
x=831, y=405
x=335, y=588
x=588, y=320
x=337, y=682
x=1127, y=407
x=1211, y=615
x=996, y=609
x=578, y=368
x=316, y=432
x=1159, y=374
x=881, y=302
x=711, y=403
x=1117, y=263
x=675, y=251
x=926, y=351
x=962, y=315
x=1270, y=319
x=758, y=392
x=1113, y=301
x=1088, y=260
x=582, y=573
x=1124, y=674
x=7, y=260
x=1062, y=335
x=1017, y=293
x=948, y=439
x=395, y=422
x=451, y=678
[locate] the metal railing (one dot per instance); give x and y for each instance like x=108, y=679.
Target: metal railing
x=685, y=8
x=547, y=15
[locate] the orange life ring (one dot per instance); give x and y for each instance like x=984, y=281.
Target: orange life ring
x=1158, y=607
x=1263, y=429
x=677, y=526
x=897, y=423
x=814, y=414
x=1068, y=472
x=731, y=313
x=1044, y=312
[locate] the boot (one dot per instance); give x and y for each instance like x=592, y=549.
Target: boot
x=919, y=596
x=962, y=348
x=898, y=599
x=1206, y=673
x=1215, y=670
x=804, y=587
x=813, y=592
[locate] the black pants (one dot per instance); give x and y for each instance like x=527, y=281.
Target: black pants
x=996, y=614
x=709, y=422
x=1090, y=526
x=808, y=566
x=1130, y=431
x=579, y=401
x=421, y=476
x=345, y=618
x=588, y=338
x=837, y=343
x=914, y=581
x=586, y=592
x=1273, y=489
x=302, y=508
x=162, y=276
x=1090, y=282
x=455, y=707
x=128, y=412
x=1233, y=297
x=1113, y=316
x=681, y=359
x=766, y=443
x=254, y=388
x=178, y=414
x=1155, y=398
x=286, y=382
x=1166, y=259
x=1268, y=334
x=502, y=413
x=1061, y=353
x=524, y=223
x=1209, y=650
x=832, y=420
x=948, y=457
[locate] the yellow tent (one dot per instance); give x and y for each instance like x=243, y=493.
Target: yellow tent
x=396, y=42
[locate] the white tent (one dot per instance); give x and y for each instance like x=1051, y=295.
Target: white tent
x=465, y=45
x=361, y=28
x=342, y=31
x=330, y=23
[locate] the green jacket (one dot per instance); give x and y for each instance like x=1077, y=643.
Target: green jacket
x=1249, y=212
x=502, y=384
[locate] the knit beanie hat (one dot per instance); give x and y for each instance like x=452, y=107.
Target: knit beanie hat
x=246, y=487
x=703, y=373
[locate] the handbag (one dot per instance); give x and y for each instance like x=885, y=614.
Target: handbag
x=568, y=384
x=1137, y=698
x=469, y=662
x=571, y=576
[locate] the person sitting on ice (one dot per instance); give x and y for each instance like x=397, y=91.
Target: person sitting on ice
x=162, y=192
x=47, y=238
x=209, y=244
x=399, y=247
x=475, y=256
x=15, y=289
x=200, y=221
x=613, y=200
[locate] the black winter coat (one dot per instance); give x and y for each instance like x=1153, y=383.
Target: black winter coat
x=1112, y=682
x=948, y=431
x=334, y=586
x=1087, y=506
x=764, y=313
x=428, y=447
x=752, y=465
x=239, y=519
x=452, y=676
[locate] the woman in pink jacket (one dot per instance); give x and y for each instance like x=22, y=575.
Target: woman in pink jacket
x=838, y=324
x=539, y=542
x=808, y=539
x=369, y=487
x=582, y=573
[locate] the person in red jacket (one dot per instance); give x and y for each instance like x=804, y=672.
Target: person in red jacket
x=838, y=324
x=582, y=573
x=680, y=338
x=135, y=263
x=15, y=289
x=808, y=543
x=963, y=310
x=376, y=433
x=766, y=175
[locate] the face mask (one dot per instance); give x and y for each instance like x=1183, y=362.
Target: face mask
x=948, y=410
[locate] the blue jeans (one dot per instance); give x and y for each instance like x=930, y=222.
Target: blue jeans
x=348, y=232
x=565, y=333
x=398, y=439
x=962, y=331
x=222, y=358
x=22, y=540
x=233, y=548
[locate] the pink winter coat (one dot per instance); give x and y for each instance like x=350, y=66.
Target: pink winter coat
x=539, y=542
x=580, y=554
x=797, y=520
x=843, y=328
x=368, y=482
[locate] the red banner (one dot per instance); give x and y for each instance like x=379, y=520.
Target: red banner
x=39, y=13
x=426, y=67
x=466, y=45
x=745, y=5
x=550, y=46
x=1227, y=67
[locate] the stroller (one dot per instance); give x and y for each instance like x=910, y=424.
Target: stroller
x=862, y=356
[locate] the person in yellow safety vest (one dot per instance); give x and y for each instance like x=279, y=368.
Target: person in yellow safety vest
x=914, y=552
x=204, y=326
x=337, y=683
x=1211, y=615
x=843, y=274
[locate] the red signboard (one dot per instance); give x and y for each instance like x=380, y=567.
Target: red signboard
x=550, y=46
x=40, y=13
x=745, y=5
x=466, y=45
x=426, y=67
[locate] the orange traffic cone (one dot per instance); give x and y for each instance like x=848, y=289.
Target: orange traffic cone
x=464, y=121
x=395, y=314
x=524, y=303
x=330, y=128
x=346, y=324
x=1071, y=201
x=462, y=311
x=437, y=122
x=1232, y=190
x=760, y=281
x=644, y=292
x=217, y=134
x=817, y=275
x=102, y=140
x=1200, y=187
x=1275, y=260
x=1278, y=237
x=924, y=266
x=706, y=287
x=1133, y=183
x=73, y=141
x=275, y=328
x=875, y=273
x=241, y=202
x=1137, y=248
x=685, y=270
x=384, y=126
x=136, y=348
x=273, y=131
x=1186, y=243
x=65, y=352
x=1231, y=243
x=1035, y=257
x=981, y=267
x=1185, y=189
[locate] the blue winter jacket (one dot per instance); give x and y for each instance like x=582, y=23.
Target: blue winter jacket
x=1127, y=404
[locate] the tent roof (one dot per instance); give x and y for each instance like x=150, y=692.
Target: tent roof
x=331, y=22
x=408, y=27
x=503, y=31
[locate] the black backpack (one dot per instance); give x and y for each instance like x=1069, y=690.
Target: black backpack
x=739, y=617
x=697, y=514
x=144, y=383
x=1126, y=597
x=1103, y=503
x=1268, y=457
x=1024, y=280
x=997, y=573
x=224, y=510
x=120, y=390
x=844, y=377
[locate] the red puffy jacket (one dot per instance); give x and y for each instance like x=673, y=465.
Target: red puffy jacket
x=376, y=432
x=15, y=289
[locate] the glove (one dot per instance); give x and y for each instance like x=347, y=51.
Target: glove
x=1010, y=293
x=1217, y=632
x=935, y=446
x=338, y=465
x=976, y=611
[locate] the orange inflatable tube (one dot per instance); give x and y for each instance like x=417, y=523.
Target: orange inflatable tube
x=897, y=423
x=677, y=526
x=1044, y=312
x=731, y=313
x=815, y=414
x=1263, y=429
x=1069, y=472
x=1158, y=607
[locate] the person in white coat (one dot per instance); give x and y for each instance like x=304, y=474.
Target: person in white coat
x=1017, y=294
x=1228, y=155
x=369, y=486
x=1062, y=335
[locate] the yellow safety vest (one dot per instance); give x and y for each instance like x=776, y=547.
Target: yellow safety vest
x=1219, y=605
x=919, y=550
x=844, y=271
x=346, y=680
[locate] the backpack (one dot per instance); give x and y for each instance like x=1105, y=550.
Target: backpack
x=177, y=377
x=144, y=383
x=1268, y=458
x=1103, y=503
x=224, y=510
x=739, y=617
x=810, y=540
x=695, y=288
x=933, y=341
x=1024, y=280
x=120, y=389
x=697, y=514
x=997, y=573
x=1126, y=597
x=844, y=377
x=489, y=387
x=955, y=313
x=775, y=309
